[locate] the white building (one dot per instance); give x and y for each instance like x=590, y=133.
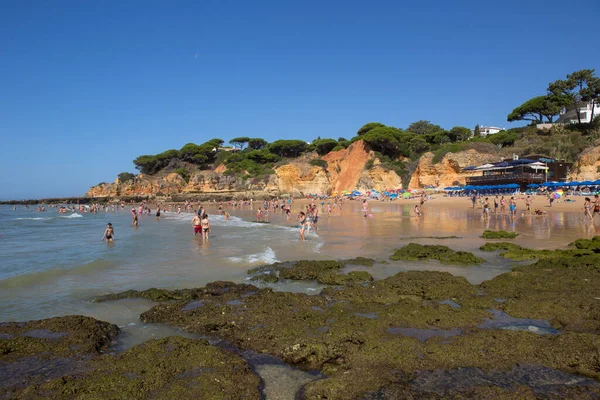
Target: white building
x=487, y=130
x=569, y=116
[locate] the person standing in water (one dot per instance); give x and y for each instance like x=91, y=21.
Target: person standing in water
x=134, y=220
x=205, y=223
x=196, y=224
x=158, y=213
x=109, y=233
x=365, y=208
x=302, y=224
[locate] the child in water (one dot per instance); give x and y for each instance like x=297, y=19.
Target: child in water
x=109, y=233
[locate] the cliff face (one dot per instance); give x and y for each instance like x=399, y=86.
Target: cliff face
x=345, y=171
x=448, y=172
x=587, y=166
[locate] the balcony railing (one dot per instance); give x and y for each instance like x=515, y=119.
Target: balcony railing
x=525, y=177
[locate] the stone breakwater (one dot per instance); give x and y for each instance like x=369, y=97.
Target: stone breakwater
x=532, y=333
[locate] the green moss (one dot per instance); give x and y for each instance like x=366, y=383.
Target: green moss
x=416, y=252
x=518, y=253
x=498, y=235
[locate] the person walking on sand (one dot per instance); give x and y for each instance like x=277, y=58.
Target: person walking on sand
x=196, y=223
x=512, y=206
x=486, y=208
x=109, y=233
x=205, y=226
x=496, y=205
x=474, y=199
x=502, y=205
x=528, y=204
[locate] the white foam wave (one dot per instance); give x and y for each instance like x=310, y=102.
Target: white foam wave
x=33, y=219
x=72, y=216
x=266, y=257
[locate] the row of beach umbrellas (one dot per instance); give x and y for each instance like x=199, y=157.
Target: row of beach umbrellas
x=565, y=184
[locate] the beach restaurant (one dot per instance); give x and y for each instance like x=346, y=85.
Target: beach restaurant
x=521, y=172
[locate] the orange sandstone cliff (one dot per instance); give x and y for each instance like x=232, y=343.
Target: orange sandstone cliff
x=345, y=170
x=448, y=172
x=587, y=167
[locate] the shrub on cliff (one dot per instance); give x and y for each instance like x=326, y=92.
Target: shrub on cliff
x=324, y=146
x=318, y=163
x=125, y=177
x=287, y=148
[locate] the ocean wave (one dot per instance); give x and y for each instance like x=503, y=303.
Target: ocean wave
x=72, y=216
x=266, y=257
x=32, y=219
x=48, y=275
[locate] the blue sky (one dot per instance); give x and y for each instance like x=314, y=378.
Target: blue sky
x=85, y=87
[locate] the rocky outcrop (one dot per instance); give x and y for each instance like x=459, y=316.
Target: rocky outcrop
x=344, y=170
x=449, y=171
x=587, y=166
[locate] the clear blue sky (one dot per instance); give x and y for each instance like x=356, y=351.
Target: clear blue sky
x=85, y=87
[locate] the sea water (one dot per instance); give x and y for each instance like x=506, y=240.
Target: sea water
x=54, y=264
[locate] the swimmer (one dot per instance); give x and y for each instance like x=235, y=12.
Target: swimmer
x=205, y=223
x=158, y=213
x=109, y=233
x=196, y=223
x=227, y=216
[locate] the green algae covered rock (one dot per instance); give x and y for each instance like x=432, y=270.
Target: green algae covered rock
x=183, y=294
x=65, y=358
x=69, y=336
x=416, y=252
x=170, y=368
x=367, y=262
x=331, y=278
x=322, y=271
x=346, y=332
x=592, y=244
x=563, y=290
x=308, y=270
x=487, y=234
x=518, y=253
x=269, y=277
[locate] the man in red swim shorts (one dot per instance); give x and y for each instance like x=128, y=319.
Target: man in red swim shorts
x=197, y=223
